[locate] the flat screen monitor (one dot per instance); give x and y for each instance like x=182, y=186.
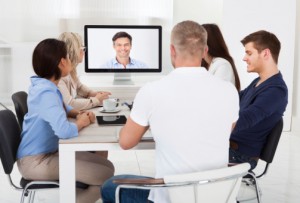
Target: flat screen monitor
x=123, y=49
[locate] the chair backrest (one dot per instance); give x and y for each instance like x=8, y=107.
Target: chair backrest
x=9, y=139
x=20, y=103
x=219, y=185
x=273, y=138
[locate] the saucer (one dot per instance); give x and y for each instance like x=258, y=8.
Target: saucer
x=113, y=111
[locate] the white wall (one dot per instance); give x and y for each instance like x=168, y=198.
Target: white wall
x=5, y=68
x=253, y=18
x=202, y=11
x=296, y=93
x=21, y=68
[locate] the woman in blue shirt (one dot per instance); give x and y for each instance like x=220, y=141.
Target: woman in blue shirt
x=47, y=121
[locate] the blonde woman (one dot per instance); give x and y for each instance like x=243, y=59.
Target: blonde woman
x=76, y=94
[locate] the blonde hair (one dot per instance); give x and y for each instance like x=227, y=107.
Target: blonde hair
x=73, y=43
x=189, y=38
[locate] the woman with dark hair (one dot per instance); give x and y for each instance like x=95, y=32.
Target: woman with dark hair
x=218, y=60
x=47, y=121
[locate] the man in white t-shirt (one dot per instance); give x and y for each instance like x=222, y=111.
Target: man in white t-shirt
x=189, y=113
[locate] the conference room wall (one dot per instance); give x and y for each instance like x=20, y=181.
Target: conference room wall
x=203, y=11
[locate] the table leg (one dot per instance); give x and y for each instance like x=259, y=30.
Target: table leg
x=67, y=191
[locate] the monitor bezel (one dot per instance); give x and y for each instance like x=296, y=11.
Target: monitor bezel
x=108, y=70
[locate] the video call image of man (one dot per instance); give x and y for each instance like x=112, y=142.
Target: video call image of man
x=122, y=43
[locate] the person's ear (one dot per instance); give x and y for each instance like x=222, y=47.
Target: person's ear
x=63, y=61
x=172, y=50
x=62, y=64
x=266, y=53
x=205, y=51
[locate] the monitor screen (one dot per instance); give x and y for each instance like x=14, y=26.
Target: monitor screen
x=123, y=48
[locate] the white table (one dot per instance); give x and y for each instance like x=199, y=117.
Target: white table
x=91, y=138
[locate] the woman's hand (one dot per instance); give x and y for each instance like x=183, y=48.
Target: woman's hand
x=92, y=116
x=102, y=95
x=82, y=120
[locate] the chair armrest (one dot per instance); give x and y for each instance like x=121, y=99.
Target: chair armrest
x=141, y=181
x=232, y=164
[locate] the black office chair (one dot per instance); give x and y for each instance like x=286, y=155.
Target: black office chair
x=3, y=106
x=20, y=102
x=9, y=143
x=267, y=155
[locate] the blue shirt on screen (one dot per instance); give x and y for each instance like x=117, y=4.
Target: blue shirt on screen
x=133, y=64
x=46, y=121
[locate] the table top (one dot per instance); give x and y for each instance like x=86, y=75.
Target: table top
x=95, y=133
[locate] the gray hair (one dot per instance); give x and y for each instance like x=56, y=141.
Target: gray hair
x=189, y=37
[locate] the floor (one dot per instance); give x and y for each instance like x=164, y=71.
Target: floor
x=279, y=186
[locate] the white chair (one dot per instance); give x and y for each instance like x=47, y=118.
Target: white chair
x=218, y=185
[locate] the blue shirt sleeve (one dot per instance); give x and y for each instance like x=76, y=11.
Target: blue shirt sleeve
x=264, y=105
x=54, y=113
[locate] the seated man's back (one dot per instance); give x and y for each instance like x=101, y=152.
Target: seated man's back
x=190, y=114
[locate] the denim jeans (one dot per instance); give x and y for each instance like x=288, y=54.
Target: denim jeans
x=237, y=157
x=126, y=195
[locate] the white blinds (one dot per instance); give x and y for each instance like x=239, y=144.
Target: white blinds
x=33, y=20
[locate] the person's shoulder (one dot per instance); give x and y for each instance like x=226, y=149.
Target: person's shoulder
x=109, y=64
x=138, y=63
x=153, y=86
x=279, y=78
x=275, y=80
x=218, y=62
x=42, y=84
x=42, y=91
x=64, y=80
x=112, y=61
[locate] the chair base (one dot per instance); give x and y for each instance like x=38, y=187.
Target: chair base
x=248, y=191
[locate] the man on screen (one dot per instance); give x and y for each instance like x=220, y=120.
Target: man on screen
x=122, y=43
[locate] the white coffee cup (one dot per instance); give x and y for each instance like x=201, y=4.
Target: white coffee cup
x=110, y=104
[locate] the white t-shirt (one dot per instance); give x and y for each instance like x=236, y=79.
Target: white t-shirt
x=221, y=68
x=190, y=114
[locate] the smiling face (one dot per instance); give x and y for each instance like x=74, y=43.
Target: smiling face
x=253, y=58
x=122, y=46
